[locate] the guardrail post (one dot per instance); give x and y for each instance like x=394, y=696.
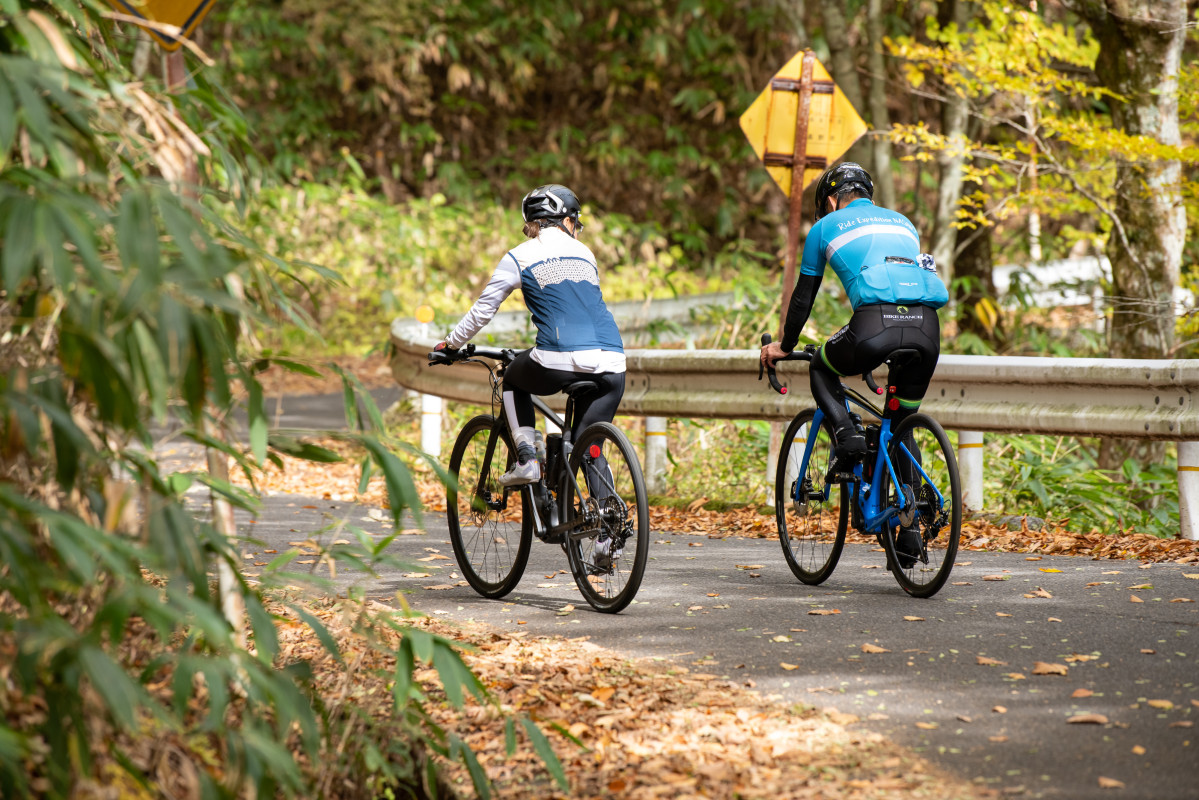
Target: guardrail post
x=655, y=455
x=430, y=424
x=970, y=466
x=1188, y=489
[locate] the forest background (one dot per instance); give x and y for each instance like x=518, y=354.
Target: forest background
x=323, y=168
x=406, y=134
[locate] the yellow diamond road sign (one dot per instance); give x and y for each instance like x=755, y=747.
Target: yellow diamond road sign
x=769, y=123
x=183, y=15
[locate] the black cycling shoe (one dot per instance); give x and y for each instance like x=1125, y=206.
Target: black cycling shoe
x=907, y=547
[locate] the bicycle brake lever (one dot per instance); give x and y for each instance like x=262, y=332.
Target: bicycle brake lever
x=770, y=373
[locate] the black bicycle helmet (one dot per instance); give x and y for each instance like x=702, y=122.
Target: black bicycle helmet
x=842, y=178
x=553, y=201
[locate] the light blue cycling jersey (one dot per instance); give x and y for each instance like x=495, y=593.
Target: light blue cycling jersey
x=875, y=253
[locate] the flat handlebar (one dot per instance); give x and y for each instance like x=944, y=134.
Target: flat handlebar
x=470, y=352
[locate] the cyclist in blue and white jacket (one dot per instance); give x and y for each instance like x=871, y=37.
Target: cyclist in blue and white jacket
x=576, y=334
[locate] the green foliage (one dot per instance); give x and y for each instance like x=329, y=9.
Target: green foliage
x=1059, y=478
x=394, y=258
x=124, y=290
x=634, y=103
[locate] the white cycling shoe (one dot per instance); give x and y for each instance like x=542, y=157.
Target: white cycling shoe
x=521, y=474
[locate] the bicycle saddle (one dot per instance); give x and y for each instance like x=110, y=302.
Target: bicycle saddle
x=580, y=388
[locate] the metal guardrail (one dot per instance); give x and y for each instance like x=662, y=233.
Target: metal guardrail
x=1155, y=399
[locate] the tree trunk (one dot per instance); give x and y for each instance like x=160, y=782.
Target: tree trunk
x=1139, y=58
x=953, y=127
x=1140, y=52
x=880, y=119
x=977, y=310
x=844, y=69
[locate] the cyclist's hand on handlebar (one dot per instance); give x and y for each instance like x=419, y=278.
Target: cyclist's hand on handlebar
x=771, y=353
x=442, y=354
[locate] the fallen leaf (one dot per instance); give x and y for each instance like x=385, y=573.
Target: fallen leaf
x=1047, y=668
x=873, y=648
x=418, y=574
x=1000, y=709
x=549, y=585
x=961, y=583
x=1164, y=705
x=1192, y=575
x=1142, y=586
x=1001, y=614
x=1147, y=651
x=713, y=594
x=1080, y=693
x=1049, y=569
x=1182, y=600
x=1087, y=719
x=787, y=666
x=781, y=638
x=441, y=586
x=1135, y=599
x=995, y=577
x=1015, y=676
x=603, y=693
x=1078, y=658
x=749, y=566
x=914, y=619
x=617, y=785
x=1182, y=723
x=1033, y=558
x=1040, y=593
x=1053, y=619
x=997, y=738
x=695, y=544
x=1138, y=750
x=1110, y=783
x=927, y=726
x=823, y=612
x=984, y=661
x=964, y=718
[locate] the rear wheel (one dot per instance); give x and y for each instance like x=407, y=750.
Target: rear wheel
x=812, y=517
x=921, y=549
x=608, y=554
x=491, y=528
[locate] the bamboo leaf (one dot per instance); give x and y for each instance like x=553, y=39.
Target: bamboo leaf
x=541, y=746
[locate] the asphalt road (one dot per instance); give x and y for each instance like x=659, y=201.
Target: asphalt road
x=1000, y=724
x=697, y=609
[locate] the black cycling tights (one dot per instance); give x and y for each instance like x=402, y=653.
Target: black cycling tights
x=524, y=377
x=872, y=334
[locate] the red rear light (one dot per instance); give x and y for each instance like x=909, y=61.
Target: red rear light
x=595, y=451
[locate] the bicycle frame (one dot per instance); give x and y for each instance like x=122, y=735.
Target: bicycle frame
x=877, y=513
x=575, y=528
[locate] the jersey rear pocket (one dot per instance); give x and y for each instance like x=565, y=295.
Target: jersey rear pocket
x=902, y=284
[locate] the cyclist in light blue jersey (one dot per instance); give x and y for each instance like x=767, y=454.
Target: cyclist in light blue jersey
x=576, y=334
x=893, y=288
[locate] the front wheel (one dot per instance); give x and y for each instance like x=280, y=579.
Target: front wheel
x=922, y=546
x=491, y=528
x=811, y=515
x=609, y=551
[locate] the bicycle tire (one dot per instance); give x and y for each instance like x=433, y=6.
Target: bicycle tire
x=481, y=534
x=932, y=486
x=620, y=506
x=811, y=533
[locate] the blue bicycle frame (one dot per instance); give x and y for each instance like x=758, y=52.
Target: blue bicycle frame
x=877, y=514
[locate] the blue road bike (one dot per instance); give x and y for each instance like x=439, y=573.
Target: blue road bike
x=906, y=491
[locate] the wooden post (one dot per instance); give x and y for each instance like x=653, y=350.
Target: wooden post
x=799, y=163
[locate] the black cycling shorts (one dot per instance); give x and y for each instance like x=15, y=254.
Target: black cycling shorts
x=875, y=331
